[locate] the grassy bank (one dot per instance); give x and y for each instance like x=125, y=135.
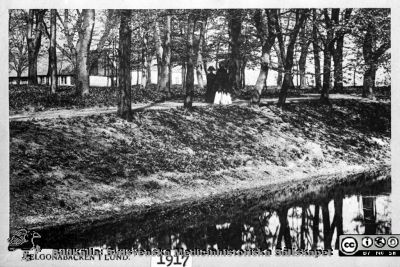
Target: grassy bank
x=27, y=99
x=68, y=170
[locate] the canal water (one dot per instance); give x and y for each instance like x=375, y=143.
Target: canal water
x=312, y=221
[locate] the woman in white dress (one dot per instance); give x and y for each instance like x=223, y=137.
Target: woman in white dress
x=217, y=98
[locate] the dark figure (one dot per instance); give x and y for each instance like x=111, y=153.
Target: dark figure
x=222, y=79
x=210, y=93
x=222, y=86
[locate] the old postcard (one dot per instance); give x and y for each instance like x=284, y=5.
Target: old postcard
x=206, y=134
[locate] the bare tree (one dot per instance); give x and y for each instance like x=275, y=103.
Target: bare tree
x=199, y=60
x=166, y=57
x=329, y=43
x=342, y=29
x=265, y=24
x=52, y=52
x=235, y=25
x=315, y=227
x=316, y=51
x=301, y=15
x=124, y=92
x=78, y=53
x=18, y=52
x=34, y=38
x=145, y=60
x=159, y=50
x=374, y=36
x=304, y=44
x=189, y=66
x=82, y=49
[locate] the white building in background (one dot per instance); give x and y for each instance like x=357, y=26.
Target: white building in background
x=102, y=68
x=250, y=78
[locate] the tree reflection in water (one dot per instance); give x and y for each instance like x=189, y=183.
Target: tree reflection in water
x=309, y=226
x=306, y=227
x=312, y=221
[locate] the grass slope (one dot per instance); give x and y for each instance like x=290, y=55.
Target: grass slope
x=68, y=170
x=24, y=98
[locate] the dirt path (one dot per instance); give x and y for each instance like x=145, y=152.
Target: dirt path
x=68, y=113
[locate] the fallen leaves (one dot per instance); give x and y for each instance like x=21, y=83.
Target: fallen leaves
x=24, y=98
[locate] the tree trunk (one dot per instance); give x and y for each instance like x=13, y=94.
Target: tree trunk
x=124, y=93
x=316, y=50
x=303, y=56
x=145, y=55
x=144, y=75
x=235, y=25
x=262, y=77
x=149, y=60
x=166, y=58
x=243, y=75
x=159, y=73
x=183, y=72
x=281, y=50
x=354, y=75
x=287, y=83
x=370, y=62
x=217, y=55
x=338, y=63
x=328, y=48
x=369, y=81
x=170, y=79
x=284, y=230
x=317, y=68
x=114, y=66
x=338, y=51
x=369, y=211
x=190, y=70
x=137, y=75
x=315, y=227
x=338, y=219
x=205, y=69
x=303, y=227
x=302, y=70
x=279, y=78
x=327, y=226
x=326, y=75
x=34, y=38
x=83, y=48
x=264, y=21
x=159, y=50
x=19, y=77
x=52, y=52
x=288, y=63
x=199, y=62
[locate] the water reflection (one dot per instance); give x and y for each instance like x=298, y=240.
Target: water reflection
x=313, y=222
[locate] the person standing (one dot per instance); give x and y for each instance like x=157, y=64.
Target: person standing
x=210, y=93
x=221, y=84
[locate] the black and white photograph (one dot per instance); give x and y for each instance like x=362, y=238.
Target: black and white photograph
x=220, y=131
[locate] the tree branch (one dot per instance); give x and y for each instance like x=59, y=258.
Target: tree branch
x=381, y=50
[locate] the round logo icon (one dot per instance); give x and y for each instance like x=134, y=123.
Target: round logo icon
x=367, y=242
x=392, y=241
x=348, y=245
x=380, y=241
